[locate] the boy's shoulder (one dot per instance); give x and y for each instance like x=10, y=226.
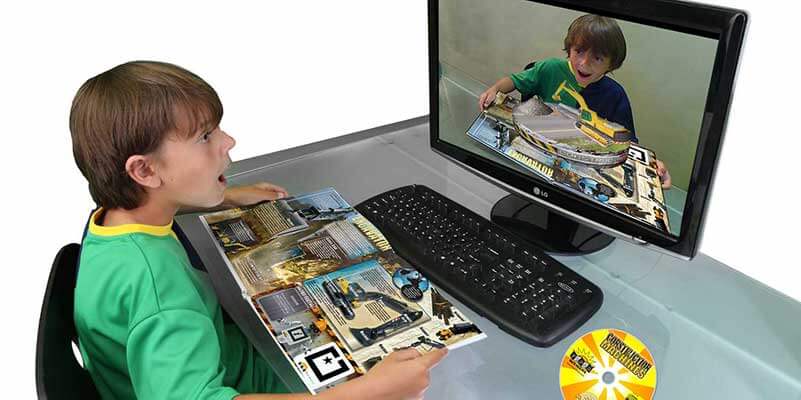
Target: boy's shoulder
x=550, y=68
x=554, y=62
x=608, y=85
x=551, y=65
x=132, y=252
x=547, y=67
x=131, y=244
x=140, y=272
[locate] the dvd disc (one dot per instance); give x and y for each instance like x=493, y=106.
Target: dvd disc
x=607, y=364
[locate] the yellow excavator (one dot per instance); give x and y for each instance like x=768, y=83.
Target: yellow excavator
x=599, y=129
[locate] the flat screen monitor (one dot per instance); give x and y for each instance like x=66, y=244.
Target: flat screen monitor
x=603, y=119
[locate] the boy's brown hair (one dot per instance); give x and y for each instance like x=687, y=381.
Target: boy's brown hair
x=600, y=34
x=131, y=109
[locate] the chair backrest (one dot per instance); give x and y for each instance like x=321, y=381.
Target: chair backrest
x=58, y=373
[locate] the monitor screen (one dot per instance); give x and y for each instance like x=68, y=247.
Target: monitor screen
x=609, y=113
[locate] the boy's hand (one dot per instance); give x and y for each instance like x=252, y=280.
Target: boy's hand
x=401, y=375
x=664, y=175
x=487, y=98
x=251, y=194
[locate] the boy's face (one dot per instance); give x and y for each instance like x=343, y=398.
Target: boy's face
x=588, y=67
x=191, y=170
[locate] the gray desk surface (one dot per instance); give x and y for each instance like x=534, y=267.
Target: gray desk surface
x=713, y=332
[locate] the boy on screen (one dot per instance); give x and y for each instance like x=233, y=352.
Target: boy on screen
x=595, y=46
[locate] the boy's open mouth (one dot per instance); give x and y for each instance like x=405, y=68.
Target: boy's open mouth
x=221, y=178
x=583, y=75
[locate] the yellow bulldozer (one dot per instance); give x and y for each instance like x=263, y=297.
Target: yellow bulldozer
x=597, y=128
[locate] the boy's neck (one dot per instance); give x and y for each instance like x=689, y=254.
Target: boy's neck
x=149, y=213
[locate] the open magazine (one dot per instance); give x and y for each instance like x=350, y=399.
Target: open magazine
x=329, y=288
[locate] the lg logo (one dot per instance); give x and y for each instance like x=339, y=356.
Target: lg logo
x=538, y=192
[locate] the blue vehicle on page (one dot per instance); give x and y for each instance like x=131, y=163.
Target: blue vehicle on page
x=596, y=190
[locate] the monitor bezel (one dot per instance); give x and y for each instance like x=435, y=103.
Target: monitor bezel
x=726, y=25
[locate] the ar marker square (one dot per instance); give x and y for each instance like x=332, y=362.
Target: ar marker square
x=326, y=364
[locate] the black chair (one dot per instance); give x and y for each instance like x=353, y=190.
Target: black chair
x=58, y=373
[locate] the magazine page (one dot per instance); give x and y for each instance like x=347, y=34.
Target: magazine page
x=554, y=143
x=333, y=235
x=333, y=294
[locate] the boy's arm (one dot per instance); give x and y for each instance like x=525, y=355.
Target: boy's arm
x=503, y=85
x=664, y=174
x=242, y=196
x=352, y=390
x=622, y=113
x=526, y=82
x=401, y=375
x=275, y=397
x=175, y=353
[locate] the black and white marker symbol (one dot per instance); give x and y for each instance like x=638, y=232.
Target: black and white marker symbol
x=326, y=363
x=296, y=334
x=638, y=155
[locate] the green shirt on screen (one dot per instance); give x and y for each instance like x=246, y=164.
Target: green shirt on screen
x=544, y=78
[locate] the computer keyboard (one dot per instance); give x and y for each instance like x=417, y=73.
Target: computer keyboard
x=500, y=276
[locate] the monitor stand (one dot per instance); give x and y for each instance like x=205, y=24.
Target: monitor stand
x=550, y=231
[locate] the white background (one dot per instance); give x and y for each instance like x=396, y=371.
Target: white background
x=309, y=61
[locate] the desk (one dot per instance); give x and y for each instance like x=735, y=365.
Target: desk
x=714, y=333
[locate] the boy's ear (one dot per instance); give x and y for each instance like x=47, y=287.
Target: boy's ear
x=140, y=169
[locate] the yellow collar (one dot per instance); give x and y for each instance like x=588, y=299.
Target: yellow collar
x=100, y=230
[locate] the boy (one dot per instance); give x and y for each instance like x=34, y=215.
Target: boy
x=595, y=46
x=146, y=136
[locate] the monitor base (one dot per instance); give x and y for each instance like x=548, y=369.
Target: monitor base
x=550, y=231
